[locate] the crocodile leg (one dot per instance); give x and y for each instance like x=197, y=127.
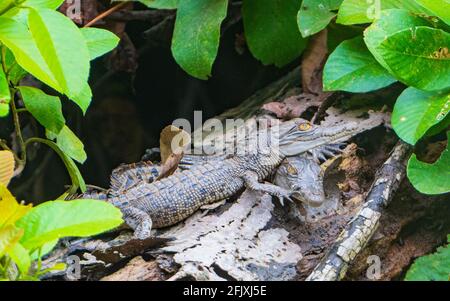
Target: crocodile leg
x=138, y=220
x=251, y=181
x=320, y=154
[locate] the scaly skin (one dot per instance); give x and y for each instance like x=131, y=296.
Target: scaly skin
x=172, y=199
x=175, y=198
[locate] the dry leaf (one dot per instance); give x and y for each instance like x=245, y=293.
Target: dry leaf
x=172, y=140
x=6, y=167
x=293, y=106
x=172, y=143
x=313, y=61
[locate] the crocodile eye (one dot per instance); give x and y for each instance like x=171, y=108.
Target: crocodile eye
x=292, y=170
x=304, y=126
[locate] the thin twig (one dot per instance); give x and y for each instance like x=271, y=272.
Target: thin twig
x=106, y=13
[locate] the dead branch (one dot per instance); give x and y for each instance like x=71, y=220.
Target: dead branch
x=361, y=228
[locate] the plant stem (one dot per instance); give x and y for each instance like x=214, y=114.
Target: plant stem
x=4, y=60
x=22, y=110
x=23, y=151
x=66, y=162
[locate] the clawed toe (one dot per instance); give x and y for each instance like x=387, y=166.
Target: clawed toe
x=286, y=196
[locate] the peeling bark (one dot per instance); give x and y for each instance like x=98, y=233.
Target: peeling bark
x=234, y=244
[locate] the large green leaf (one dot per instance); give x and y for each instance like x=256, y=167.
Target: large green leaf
x=5, y=95
x=419, y=57
x=99, y=41
x=416, y=111
x=160, y=4
x=63, y=48
x=361, y=11
x=431, y=178
x=433, y=267
x=440, y=8
x=50, y=4
x=55, y=219
x=271, y=30
x=69, y=143
x=196, y=35
x=45, y=108
x=20, y=13
x=314, y=15
x=390, y=22
x=5, y=5
x=19, y=40
x=352, y=68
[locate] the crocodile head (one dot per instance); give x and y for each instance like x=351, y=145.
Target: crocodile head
x=299, y=135
x=304, y=177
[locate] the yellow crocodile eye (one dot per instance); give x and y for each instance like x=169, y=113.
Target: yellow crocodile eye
x=304, y=126
x=292, y=170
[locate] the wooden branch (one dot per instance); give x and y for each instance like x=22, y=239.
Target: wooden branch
x=361, y=228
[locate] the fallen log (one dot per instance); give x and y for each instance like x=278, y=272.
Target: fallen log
x=361, y=228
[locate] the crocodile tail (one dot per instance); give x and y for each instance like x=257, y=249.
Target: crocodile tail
x=91, y=193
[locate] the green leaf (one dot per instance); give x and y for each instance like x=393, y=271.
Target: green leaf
x=160, y=4
x=4, y=109
x=416, y=111
x=338, y=33
x=352, y=68
x=15, y=72
x=45, y=108
x=50, y=4
x=5, y=95
x=271, y=30
x=196, y=39
x=19, y=40
x=75, y=175
x=440, y=127
x=390, y=22
x=83, y=100
x=431, y=178
x=412, y=53
x=43, y=250
x=56, y=219
x=63, y=48
x=9, y=236
x=69, y=143
x=440, y=8
x=433, y=267
x=5, y=5
x=314, y=15
x=21, y=258
x=99, y=41
x=361, y=11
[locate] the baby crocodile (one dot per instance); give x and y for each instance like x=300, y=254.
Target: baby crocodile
x=173, y=199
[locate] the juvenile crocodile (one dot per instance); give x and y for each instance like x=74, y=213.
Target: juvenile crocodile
x=172, y=199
